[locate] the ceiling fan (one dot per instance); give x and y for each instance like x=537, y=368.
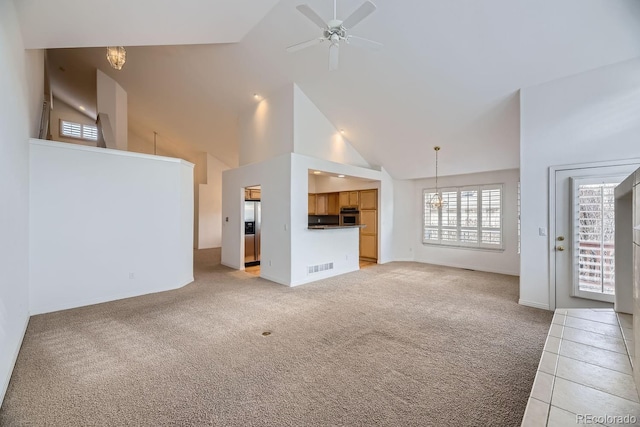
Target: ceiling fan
x=335, y=31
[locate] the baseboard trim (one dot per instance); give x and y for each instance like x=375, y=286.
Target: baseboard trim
x=104, y=299
x=534, y=304
x=5, y=384
x=471, y=267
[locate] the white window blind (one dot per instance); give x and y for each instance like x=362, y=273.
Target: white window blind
x=78, y=131
x=594, y=236
x=471, y=217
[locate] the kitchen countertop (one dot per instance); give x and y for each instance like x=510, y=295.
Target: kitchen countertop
x=332, y=227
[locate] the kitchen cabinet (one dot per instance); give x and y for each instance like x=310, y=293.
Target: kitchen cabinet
x=251, y=194
x=368, y=248
x=343, y=198
x=333, y=207
x=312, y=204
x=322, y=204
x=348, y=198
x=368, y=199
x=369, y=234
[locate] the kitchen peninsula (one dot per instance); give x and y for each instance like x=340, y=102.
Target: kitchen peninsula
x=348, y=209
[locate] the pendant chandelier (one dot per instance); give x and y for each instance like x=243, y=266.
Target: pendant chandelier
x=437, y=202
x=116, y=55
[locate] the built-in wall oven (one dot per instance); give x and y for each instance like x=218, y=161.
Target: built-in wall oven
x=349, y=216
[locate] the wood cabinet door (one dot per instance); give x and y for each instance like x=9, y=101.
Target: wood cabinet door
x=344, y=199
x=312, y=204
x=353, y=198
x=369, y=199
x=255, y=194
x=321, y=204
x=247, y=194
x=370, y=219
x=368, y=247
x=333, y=208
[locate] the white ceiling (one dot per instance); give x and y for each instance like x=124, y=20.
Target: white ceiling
x=85, y=23
x=448, y=74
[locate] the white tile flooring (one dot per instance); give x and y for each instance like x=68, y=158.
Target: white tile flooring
x=585, y=370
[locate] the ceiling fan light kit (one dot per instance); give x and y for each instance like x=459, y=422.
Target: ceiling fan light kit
x=336, y=31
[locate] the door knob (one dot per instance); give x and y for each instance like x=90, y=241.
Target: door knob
x=560, y=248
x=560, y=238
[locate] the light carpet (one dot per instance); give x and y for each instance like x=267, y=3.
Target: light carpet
x=400, y=344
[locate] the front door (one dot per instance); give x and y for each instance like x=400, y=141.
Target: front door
x=584, y=235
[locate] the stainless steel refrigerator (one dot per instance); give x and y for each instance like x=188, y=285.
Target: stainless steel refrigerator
x=252, y=225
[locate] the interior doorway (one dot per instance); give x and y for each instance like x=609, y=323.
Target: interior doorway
x=582, y=235
x=252, y=228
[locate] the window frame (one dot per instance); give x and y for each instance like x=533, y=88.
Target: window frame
x=478, y=245
x=574, y=217
x=82, y=131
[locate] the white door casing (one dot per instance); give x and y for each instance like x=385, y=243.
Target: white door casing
x=564, y=182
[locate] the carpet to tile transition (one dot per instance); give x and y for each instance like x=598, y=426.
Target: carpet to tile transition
x=400, y=344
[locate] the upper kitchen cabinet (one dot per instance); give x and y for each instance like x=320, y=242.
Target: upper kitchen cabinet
x=333, y=206
x=252, y=194
x=312, y=204
x=349, y=198
x=368, y=199
x=322, y=204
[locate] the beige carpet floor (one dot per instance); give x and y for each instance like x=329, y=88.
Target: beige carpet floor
x=401, y=344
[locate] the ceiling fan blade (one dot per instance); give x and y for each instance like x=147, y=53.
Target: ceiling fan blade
x=303, y=45
x=334, y=50
x=362, y=42
x=366, y=9
x=312, y=15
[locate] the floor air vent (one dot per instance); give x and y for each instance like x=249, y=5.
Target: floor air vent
x=312, y=269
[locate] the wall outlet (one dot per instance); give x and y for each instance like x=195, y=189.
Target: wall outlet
x=132, y=275
x=269, y=263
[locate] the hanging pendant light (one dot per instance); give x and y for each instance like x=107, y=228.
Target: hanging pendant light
x=437, y=202
x=116, y=55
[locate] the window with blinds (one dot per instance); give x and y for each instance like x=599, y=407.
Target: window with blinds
x=594, y=236
x=78, y=131
x=471, y=217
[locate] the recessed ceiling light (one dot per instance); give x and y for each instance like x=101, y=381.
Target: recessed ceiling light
x=81, y=108
x=340, y=176
x=342, y=131
x=257, y=96
x=317, y=172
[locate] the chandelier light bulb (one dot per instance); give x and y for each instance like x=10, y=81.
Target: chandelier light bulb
x=117, y=56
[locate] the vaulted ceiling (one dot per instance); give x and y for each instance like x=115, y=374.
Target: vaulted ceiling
x=448, y=74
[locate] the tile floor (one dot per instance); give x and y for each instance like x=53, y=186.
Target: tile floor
x=585, y=369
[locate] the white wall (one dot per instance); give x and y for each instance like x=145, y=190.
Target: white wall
x=98, y=216
x=314, y=135
x=112, y=100
x=404, y=220
x=22, y=89
x=274, y=178
x=207, y=184
x=210, y=205
x=589, y=117
x=332, y=184
x=62, y=110
x=266, y=130
x=505, y=262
